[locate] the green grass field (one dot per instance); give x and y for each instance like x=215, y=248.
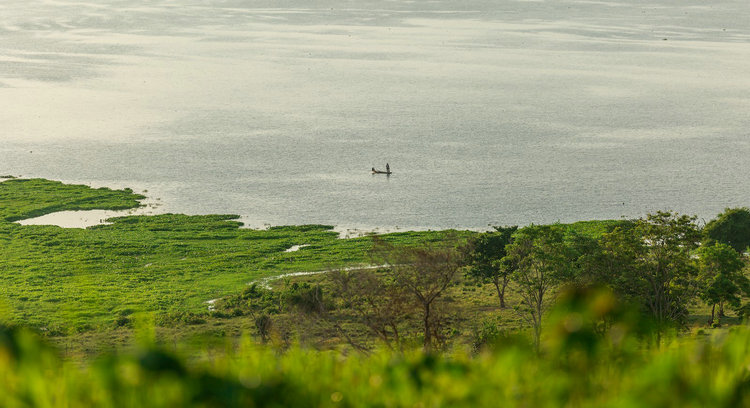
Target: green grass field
x=67, y=280
x=92, y=282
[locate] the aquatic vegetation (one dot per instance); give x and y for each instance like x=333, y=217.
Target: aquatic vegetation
x=64, y=281
x=20, y=198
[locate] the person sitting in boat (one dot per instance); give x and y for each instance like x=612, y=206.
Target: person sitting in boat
x=373, y=169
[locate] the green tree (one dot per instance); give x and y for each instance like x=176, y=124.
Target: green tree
x=651, y=264
x=541, y=263
x=484, y=256
x=721, y=274
x=614, y=261
x=667, y=274
x=731, y=227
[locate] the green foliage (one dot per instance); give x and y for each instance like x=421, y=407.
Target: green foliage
x=178, y=318
x=541, y=261
x=588, y=321
x=484, y=251
x=667, y=277
x=732, y=227
x=484, y=256
x=722, y=279
x=650, y=264
x=488, y=336
x=252, y=300
x=306, y=298
x=596, y=228
x=582, y=365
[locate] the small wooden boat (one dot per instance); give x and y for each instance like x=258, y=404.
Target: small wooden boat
x=381, y=172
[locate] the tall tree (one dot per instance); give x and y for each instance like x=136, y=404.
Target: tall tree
x=651, y=264
x=484, y=255
x=723, y=281
x=667, y=273
x=731, y=227
x=425, y=273
x=541, y=263
x=615, y=261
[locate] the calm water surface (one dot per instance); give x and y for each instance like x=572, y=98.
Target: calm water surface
x=489, y=112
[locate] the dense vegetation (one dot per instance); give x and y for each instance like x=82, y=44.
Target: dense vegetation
x=595, y=313
x=579, y=366
x=656, y=264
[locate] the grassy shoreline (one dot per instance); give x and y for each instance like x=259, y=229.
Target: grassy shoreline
x=65, y=280
x=69, y=282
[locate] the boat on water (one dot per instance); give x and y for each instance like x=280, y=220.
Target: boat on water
x=387, y=170
x=381, y=172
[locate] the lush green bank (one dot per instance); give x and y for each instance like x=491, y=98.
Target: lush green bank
x=66, y=280
x=84, y=289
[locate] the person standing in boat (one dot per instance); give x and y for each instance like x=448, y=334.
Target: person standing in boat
x=387, y=168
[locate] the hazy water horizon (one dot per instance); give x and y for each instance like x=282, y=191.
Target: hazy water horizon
x=489, y=112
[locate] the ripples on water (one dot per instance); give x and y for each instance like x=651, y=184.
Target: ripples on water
x=489, y=112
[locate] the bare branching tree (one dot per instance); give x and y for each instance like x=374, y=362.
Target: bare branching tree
x=309, y=302
x=425, y=273
x=377, y=302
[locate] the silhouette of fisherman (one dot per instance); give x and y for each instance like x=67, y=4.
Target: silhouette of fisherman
x=387, y=168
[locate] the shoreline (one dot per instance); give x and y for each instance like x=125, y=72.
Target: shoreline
x=83, y=219
x=150, y=206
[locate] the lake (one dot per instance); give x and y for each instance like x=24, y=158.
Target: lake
x=488, y=112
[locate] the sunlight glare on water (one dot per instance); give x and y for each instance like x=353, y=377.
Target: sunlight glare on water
x=489, y=112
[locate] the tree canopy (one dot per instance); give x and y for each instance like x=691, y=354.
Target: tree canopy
x=722, y=279
x=484, y=257
x=541, y=263
x=732, y=227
